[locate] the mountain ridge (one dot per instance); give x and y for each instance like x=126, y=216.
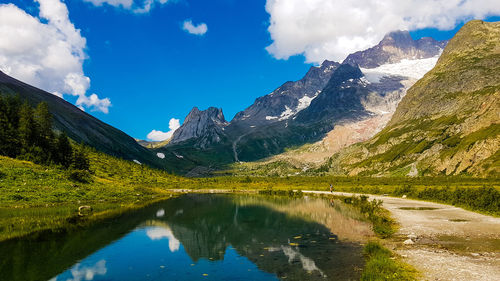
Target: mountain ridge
x=306, y=110
x=79, y=125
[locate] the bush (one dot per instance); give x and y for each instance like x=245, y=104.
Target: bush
x=80, y=176
x=485, y=199
x=383, y=225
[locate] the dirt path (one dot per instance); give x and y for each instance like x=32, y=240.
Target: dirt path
x=448, y=243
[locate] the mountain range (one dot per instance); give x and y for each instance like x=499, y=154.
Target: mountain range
x=403, y=107
x=446, y=124
x=368, y=85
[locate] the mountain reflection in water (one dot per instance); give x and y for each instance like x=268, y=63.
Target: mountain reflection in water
x=207, y=237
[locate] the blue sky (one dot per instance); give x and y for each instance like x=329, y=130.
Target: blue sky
x=152, y=70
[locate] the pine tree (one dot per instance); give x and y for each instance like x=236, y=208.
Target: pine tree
x=27, y=132
x=64, y=151
x=45, y=136
x=80, y=159
x=9, y=141
x=44, y=120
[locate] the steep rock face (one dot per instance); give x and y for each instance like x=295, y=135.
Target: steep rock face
x=340, y=97
x=287, y=100
x=205, y=128
x=78, y=125
x=449, y=121
x=395, y=47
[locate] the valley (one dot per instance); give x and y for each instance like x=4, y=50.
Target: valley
x=405, y=134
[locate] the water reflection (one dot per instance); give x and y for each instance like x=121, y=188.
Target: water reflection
x=157, y=233
x=209, y=237
x=79, y=272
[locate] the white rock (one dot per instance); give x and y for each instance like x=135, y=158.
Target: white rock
x=408, y=242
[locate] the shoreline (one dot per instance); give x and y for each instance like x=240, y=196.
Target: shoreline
x=441, y=241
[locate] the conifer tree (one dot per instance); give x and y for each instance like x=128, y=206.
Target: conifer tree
x=45, y=136
x=80, y=159
x=27, y=131
x=64, y=150
x=9, y=142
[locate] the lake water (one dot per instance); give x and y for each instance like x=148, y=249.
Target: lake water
x=201, y=237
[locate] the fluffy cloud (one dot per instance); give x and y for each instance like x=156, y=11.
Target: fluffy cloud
x=199, y=29
x=331, y=29
x=47, y=52
x=138, y=7
x=173, y=125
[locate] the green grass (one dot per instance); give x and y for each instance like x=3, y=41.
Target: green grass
x=36, y=198
x=382, y=265
x=26, y=189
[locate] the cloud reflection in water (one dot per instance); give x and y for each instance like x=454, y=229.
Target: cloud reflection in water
x=80, y=273
x=158, y=233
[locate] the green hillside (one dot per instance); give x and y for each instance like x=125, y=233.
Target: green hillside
x=80, y=126
x=449, y=121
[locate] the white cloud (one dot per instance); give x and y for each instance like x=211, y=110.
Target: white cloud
x=199, y=29
x=332, y=29
x=138, y=7
x=173, y=125
x=48, y=54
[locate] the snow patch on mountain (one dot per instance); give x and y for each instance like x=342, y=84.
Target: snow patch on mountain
x=407, y=68
x=304, y=103
x=286, y=114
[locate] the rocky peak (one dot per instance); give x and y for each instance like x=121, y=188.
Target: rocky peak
x=203, y=127
x=318, y=72
x=401, y=39
x=287, y=100
x=395, y=47
x=212, y=113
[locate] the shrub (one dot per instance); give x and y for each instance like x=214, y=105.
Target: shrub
x=81, y=176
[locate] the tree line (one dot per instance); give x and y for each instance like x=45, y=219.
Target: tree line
x=27, y=133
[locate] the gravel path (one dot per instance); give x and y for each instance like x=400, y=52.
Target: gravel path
x=447, y=243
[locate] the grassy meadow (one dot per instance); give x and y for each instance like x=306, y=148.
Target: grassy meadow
x=36, y=198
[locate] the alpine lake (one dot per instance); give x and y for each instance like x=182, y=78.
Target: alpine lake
x=201, y=237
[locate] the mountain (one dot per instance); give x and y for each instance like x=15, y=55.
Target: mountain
x=205, y=127
x=350, y=95
x=78, y=125
x=364, y=90
x=449, y=121
x=287, y=100
x=395, y=47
